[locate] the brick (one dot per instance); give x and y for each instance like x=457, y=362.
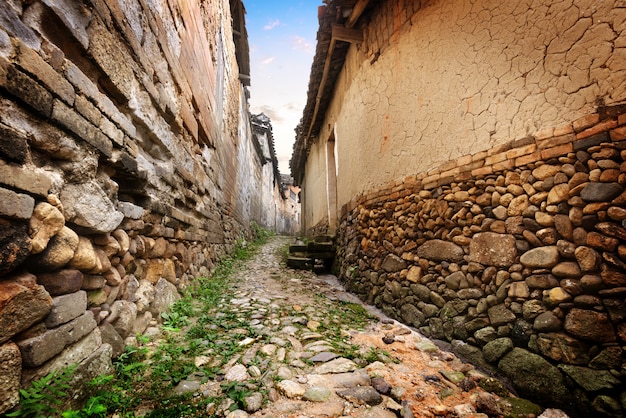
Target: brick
x=81, y=127
x=447, y=166
x=555, y=140
x=527, y=159
x=13, y=25
x=585, y=122
x=451, y=173
x=27, y=178
x=557, y=151
x=482, y=171
x=621, y=119
x=16, y=205
x=109, y=109
x=34, y=64
x=462, y=161
x=479, y=156
x=522, y=142
x=544, y=133
x=27, y=90
x=495, y=158
x=600, y=127
x=498, y=149
x=13, y=145
x=504, y=165
x=520, y=151
x=583, y=144
x=563, y=130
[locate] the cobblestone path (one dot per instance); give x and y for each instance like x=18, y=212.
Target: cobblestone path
x=316, y=351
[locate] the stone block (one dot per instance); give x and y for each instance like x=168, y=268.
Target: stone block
x=13, y=145
x=88, y=206
x=491, y=249
x=58, y=253
x=12, y=23
x=75, y=16
x=10, y=371
x=15, y=205
x=27, y=90
x=165, y=295
x=30, y=179
x=37, y=350
x=82, y=83
x=73, y=354
x=14, y=245
x=88, y=110
x=65, y=308
x=111, y=337
x=34, y=64
x=22, y=303
x=81, y=127
x=45, y=223
x=61, y=282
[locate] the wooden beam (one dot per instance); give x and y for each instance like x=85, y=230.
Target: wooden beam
x=359, y=7
x=342, y=33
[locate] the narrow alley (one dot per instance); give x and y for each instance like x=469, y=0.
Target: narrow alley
x=289, y=343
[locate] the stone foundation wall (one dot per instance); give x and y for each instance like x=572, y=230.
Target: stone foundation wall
x=515, y=255
x=124, y=158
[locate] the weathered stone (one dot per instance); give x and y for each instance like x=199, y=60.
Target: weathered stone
x=519, y=290
x=496, y=349
x=59, y=251
x=10, y=371
x=14, y=245
x=544, y=171
x=500, y=315
x=555, y=296
x=22, y=304
x=542, y=380
x=563, y=226
x=493, y=249
x=165, y=295
x=590, y=379
x=568, y=269
x=518, y=205
x=39, y=349
x=338, y=365
x=365, y=395
x=393, y=263
x=547, y=322
x=88, y=206
x=61, y=282
x=316, y=394
x=562, y=348
x=590, y=325
x=122, y=317
x=66, y=307
x=601, y=192
x=46, y=222
x=111, y=337
x=415, y=274
x=15, y=205
x=85, y=258
x=471, y=293
x=541, y=257
x=438, y=250
x=601, y=242
x=558, y=194
x=291, y=389
x=588, y=259
x=237, y=373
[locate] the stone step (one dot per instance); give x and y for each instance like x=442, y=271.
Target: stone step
x=320, y=246
x=302, y=263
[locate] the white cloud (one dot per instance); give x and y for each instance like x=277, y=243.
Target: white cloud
x=268, y=60
x=271, y=25
x=301, y=44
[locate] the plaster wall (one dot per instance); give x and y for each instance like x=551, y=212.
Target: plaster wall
x=314, y=203
x=454, y=78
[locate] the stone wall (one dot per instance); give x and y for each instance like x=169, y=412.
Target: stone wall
x=125, y=172
x=515, y=255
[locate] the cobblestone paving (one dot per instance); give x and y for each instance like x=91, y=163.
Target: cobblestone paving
x=315, y=351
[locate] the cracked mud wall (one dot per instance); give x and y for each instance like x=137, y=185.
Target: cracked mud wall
x=126, y=171
x=434, y=81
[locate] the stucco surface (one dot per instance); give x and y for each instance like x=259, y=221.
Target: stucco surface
x=457, y=78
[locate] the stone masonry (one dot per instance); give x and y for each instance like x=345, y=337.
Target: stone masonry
x=516, y=256
x=126, y=165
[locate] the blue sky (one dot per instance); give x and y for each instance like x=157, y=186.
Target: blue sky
x=281, y=35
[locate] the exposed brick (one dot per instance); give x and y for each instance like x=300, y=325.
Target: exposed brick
x=447, y=166
x=527, y=159
x=621, y=119
x=108, y=108
x=467, y=159
x=13, y=145
x=555, y=140
x=563, y=130
x=34, y=64
x=495, y=158
x=517, y=143
x=109, y=129
x=81, y=127
x=544, y=133
x=504, y=165
x=471, y=166
x=498, y=149
x=585, y=122
x=523, y=150
x=451, y=173
x=582, y=144
x=482, y=171
x=479, y=156
x=557, y=151
x=30, y=179
x=16, y=205
x=600, y=127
